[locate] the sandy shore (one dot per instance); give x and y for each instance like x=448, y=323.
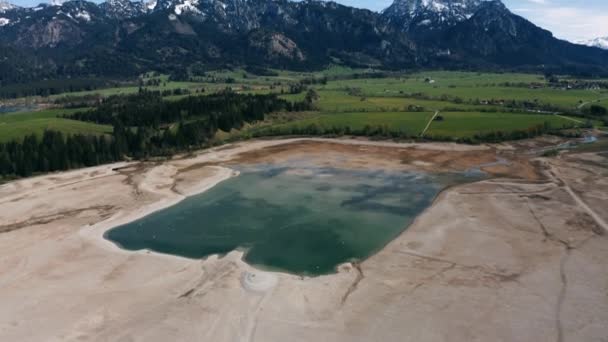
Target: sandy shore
x=515, y=258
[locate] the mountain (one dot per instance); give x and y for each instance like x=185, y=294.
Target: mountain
x=496, y=36
x=8, y=13
x=601, y=43
x=123, y=38
x=123, y=9
x=6, y=6
x=419, y=16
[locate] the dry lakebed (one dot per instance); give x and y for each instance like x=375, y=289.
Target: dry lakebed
x=312, y=240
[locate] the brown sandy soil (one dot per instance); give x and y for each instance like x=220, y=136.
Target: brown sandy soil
x=419, y=157
x=519, y=257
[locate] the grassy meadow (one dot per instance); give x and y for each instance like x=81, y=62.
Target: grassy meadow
x=467, y=124
x=17, y=125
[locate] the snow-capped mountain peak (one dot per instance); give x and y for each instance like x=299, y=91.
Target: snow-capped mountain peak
x=601, y=43
x=410, y=14
x=6, y=6
x=123, y=8
x=414, y=7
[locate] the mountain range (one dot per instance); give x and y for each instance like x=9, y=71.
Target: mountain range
x=123, y=38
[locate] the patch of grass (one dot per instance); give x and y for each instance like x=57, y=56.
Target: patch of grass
x=550, y=153
x=17, y=125
x=332, y=101
x=468, y=124
x=167, y=85
x=41, y=114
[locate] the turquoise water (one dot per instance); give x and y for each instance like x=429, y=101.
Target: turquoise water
x=304, y=220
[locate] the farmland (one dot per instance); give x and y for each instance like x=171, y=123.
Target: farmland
x=467, y=103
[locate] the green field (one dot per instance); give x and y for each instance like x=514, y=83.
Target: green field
x=134, y=89
x=343, y=81
x=17, y=125
x=565, y=99
x=470, y=102
x=333, y=101
x=468, y=124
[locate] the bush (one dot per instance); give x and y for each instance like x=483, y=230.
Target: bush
x=550, y=153
x=596, y=110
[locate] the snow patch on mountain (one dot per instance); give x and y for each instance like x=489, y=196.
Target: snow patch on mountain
x=121, y=9
x=6, y=6
x=430, y=13
x=4, y=22
x=413, y=7
x=601, y=43
x=150, y=5
x=84, y=15
x=187, y=6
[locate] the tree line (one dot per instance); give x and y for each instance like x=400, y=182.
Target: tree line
x=53, y=87
x=387, y=132
x=143, y=126
x=224, y=110
x=54, y=152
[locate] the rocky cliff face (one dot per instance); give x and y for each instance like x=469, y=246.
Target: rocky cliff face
x=123, y=9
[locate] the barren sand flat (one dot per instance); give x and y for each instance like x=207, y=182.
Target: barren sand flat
x=513, y=258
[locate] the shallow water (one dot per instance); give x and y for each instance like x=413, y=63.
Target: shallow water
x=304, y=220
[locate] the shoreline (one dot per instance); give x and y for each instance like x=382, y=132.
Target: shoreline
x=96, y=233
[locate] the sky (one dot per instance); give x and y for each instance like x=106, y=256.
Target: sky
x=573, y=20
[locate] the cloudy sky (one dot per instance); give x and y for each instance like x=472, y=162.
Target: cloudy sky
x=567, y=19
